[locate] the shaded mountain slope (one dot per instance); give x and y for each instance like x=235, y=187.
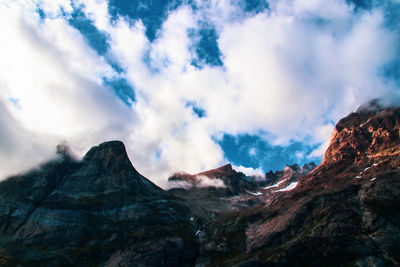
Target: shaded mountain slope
x=97, y=210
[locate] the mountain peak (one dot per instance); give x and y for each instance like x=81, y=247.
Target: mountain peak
x=110, y=147
x=107, y=157
x=371, y=106
x=294, y=168
x=227, y=168
x=367, y=133
x=223, y=171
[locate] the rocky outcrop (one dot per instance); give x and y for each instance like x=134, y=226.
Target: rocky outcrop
x=371, y=132
x=98, y=210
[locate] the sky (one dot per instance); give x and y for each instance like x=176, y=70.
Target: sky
x=190, y=85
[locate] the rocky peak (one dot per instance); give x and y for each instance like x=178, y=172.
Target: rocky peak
x=108, y=157
x=65, y=153
x=291, y=168
x=306, y=168
x=371, y=131
x=90, y=211
x=223, y=171
x=289, y=173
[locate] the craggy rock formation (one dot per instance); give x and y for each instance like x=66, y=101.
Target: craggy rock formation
x=98, y=210
x=289, y=174
x=101, y=211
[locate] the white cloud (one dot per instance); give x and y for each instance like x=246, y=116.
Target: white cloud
x=287, y=74
x=249, y=171
x=289, y=70
x=322, y=136
x=55, y=78
x=209, y=182
x=201, y=182
x=252, y=151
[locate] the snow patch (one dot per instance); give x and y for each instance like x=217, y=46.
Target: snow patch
x=357, y=177
x=373, y=179
x=255, y=194
x=288, y=188
x=274, y=185
x=362, y=124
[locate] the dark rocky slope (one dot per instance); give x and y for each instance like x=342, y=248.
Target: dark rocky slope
x=98, y=210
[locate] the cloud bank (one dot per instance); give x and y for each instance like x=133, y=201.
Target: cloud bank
x=285, y=72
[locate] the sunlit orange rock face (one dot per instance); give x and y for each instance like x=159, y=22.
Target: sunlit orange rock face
x=368, y=133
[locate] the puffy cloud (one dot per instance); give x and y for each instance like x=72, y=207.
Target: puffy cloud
x=54, y=80
x=290, y=70
x=249, y=171
x=201, y=182
x=288, y=74
x=209, y=182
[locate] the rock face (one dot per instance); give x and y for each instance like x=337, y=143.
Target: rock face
x=365, y=134
x=98, y=210
x=101, y=211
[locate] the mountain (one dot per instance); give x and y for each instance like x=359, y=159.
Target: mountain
x=98, y=210
x=207, y=196
x=101, y=211
x=212, y=192
x=343, y=213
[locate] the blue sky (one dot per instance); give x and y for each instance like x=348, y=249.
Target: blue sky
x=190, y=85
